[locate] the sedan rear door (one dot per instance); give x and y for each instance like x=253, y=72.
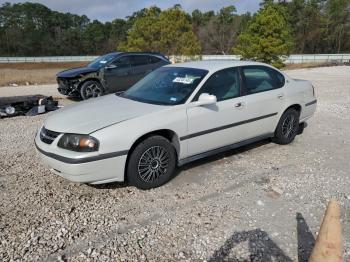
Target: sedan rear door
x=263, y=99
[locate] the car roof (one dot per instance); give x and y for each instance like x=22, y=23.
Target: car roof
x=214, y=65
x=138, y=53
x=159, y=55
x=114, y=53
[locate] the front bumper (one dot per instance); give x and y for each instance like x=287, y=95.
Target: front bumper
x=68, y=87
x=81, y=169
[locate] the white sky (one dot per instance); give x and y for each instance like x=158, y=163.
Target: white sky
x=107, y=10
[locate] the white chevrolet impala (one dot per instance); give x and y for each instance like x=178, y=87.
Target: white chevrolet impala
x=176, y=114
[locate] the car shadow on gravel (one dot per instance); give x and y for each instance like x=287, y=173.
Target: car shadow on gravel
x=306, y=240
x=220, y=156
x=74, y=99
x=114, y=185
x=260, y=246
x=194, y=164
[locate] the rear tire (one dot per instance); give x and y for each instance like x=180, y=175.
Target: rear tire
x=152, y=163
x=287, y=128
x=91, y=89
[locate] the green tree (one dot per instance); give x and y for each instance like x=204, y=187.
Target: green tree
x=168, y=31
x=266, y=38
x=308, y=21
x=95, y=37
x=218, y=34
x=144, y=33
x=338, y=24
x=200, y=19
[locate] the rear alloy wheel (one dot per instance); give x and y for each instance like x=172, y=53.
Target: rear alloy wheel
x=287, y=128
x=152, y=163
x=91, y=89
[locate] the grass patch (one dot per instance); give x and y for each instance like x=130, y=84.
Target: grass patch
x=33, y=73
x=309, y=65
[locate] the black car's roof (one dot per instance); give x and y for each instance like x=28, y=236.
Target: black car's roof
x=137, y=53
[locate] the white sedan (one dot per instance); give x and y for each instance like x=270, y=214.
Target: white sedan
x=176, y=114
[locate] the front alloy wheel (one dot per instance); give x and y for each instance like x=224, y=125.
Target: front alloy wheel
x=91, y=89
x=152, y=163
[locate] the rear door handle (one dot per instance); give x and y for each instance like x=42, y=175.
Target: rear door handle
x=280, y=96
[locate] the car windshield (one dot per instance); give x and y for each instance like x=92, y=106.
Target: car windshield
x=166, y=86
x=101, y=61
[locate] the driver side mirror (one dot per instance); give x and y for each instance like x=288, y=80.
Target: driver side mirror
x=111, y=66
x=206, y=99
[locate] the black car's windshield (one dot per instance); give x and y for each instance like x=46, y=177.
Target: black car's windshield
x=166, y=86
x=101, y=61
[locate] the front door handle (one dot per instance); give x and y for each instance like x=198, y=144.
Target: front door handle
x=124, y=74
x=239, y=105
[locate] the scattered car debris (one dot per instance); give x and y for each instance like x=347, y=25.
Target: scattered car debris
x=26, y=105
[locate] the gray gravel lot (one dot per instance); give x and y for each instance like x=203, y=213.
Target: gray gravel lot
x=250, y=204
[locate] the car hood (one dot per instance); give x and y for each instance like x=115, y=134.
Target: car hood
x=74, y=72
x=94, y=114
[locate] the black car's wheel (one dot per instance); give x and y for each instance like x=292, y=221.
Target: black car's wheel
x=287, y=127
x=91, y=89
x=152, y=163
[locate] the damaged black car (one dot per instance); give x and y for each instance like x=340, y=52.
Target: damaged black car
x=110, y=73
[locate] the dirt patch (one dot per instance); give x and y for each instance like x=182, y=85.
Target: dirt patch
x=309, y=65
x=47, y=65
x=33, y=73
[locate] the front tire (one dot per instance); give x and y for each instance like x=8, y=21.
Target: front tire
x=91, y=89
x=287, y=128
x=152, y=163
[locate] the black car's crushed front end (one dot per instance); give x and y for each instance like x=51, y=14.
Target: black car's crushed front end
x=69, y=81
x=68, y=86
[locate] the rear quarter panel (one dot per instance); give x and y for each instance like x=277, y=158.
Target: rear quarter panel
x=300, y=92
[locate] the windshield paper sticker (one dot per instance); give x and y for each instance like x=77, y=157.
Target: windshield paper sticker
x=103, y=62
x=183, y=80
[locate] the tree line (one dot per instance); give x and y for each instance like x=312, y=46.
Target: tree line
x=277, y=28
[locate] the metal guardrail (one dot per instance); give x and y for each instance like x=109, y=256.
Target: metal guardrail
x=292, y=59
x=311, y=58
x=34, y=59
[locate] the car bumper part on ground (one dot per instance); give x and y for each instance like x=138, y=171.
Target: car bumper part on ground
x=101, y=171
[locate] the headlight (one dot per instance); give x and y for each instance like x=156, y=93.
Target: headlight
x=79, y=143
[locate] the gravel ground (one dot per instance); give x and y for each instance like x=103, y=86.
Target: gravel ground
x=260, y=202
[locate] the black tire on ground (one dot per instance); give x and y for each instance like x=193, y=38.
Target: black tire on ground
x=152, y=163
x=90, y=89
x=287, y=128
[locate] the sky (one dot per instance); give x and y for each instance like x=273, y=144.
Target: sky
x=107, y=10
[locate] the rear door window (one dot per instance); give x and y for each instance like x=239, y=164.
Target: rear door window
x=260, y=79
x=139, y=60
x=280, y=80
x=154, y=60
